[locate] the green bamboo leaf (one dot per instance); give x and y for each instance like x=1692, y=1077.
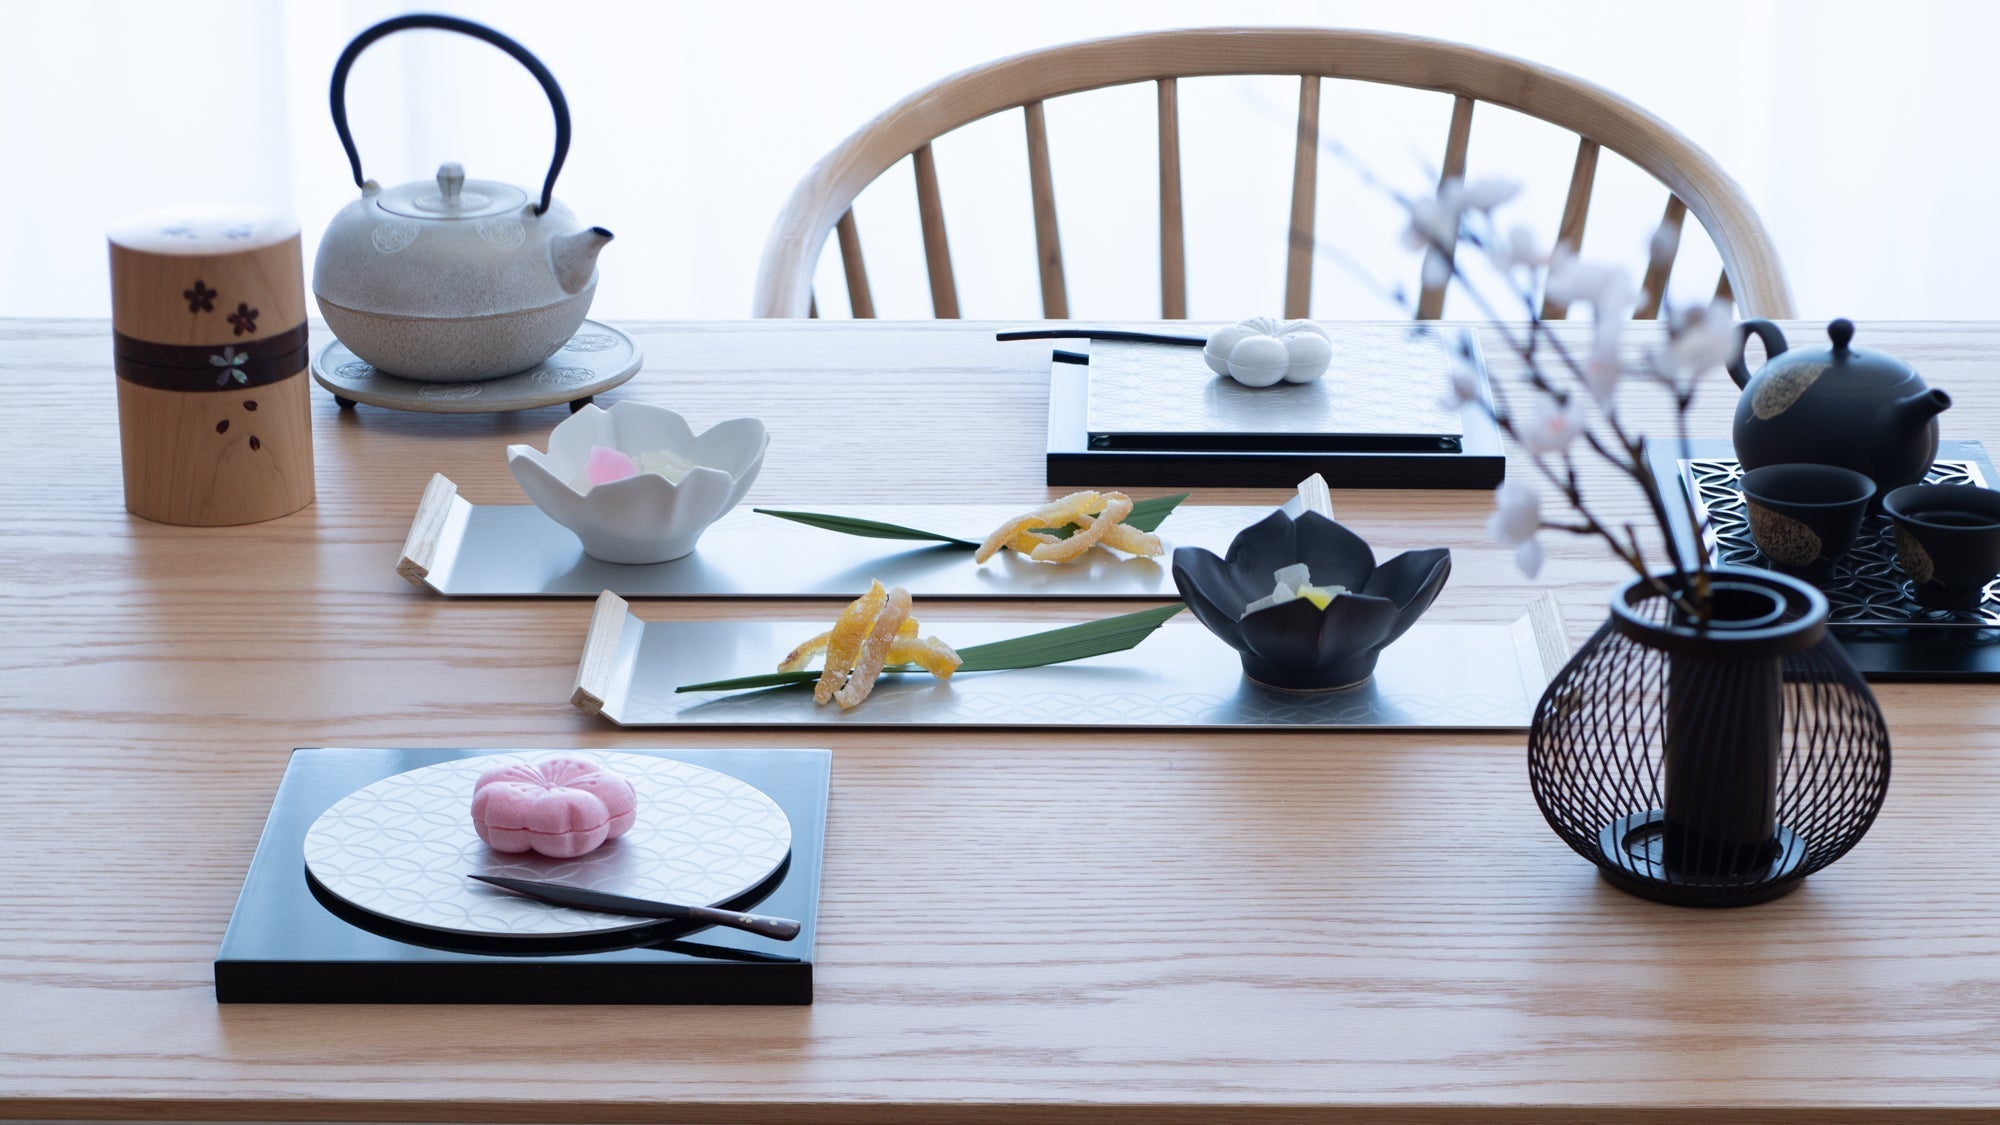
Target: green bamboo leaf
x=1147, y=515
x=768, y=679
x=1071, y=642
x=870, y=529
x=1052, y=646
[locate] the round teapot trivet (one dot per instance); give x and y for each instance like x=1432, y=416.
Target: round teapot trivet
x=401, y=849
x=596, y=359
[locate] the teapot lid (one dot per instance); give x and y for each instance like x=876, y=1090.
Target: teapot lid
x=452, y=197
x=1853, y=361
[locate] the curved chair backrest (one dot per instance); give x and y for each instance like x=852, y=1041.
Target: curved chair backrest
x=822, y=201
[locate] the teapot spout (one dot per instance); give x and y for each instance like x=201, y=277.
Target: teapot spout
x=1914, y=411
x=575, y=257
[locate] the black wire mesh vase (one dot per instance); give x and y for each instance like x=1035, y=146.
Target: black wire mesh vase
x=1716, y=765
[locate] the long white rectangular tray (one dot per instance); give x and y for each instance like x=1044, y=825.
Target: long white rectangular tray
x=461, y=549
x=1441, y=675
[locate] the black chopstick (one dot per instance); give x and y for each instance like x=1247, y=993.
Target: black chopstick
x=1103, y=334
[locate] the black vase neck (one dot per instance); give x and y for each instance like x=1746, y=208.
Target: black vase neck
x=1754, y=614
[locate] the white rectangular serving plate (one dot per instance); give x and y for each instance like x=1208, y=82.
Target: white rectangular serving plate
x=1439, y=675
x=461, y=549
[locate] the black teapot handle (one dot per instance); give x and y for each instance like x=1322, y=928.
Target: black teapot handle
x=1774, y=346
x=464, y=27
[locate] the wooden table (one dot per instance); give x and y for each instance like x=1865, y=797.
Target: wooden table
x=1171, y=927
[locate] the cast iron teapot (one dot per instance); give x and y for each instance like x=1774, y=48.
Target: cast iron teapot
x=1838, y=405
x=459, y=279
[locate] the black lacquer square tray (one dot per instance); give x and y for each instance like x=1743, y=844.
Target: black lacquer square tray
x=1870, y=607
x=1155, y=415
x=292, y=942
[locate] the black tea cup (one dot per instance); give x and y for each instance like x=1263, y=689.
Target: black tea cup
x=1804, y=517
x=1947, y=541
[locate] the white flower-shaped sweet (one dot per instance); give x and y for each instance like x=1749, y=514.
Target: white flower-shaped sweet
x=644, y=518
x=1263, y=350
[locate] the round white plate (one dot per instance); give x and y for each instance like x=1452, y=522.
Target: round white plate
x=402, y=848
x=596, y=359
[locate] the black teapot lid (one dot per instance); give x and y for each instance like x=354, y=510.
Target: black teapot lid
x=1841, y=333
x=1856, y=362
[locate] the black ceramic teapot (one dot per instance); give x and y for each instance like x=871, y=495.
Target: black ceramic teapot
x=1834, y=406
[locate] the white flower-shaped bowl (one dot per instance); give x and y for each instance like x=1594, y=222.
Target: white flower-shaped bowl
x=644, y=518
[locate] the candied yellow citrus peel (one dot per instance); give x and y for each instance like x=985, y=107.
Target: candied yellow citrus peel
x=1097, y=518
x=930, y=654
x=875, y=631
x=874, y=654
x=800, y=658
x=844, y=642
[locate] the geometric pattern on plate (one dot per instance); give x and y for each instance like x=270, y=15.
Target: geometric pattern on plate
x=1186, y=709
x=402, y=848
x=1385, y=380
x=1867, y=586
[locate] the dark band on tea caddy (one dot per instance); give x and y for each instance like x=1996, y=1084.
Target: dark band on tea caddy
x=209, y=367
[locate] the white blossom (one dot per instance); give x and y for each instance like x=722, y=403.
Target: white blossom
x=1464, y=380
x=1434, y=219
x=1554, y=427
x=1608, y=290
x=1488, y=193
x=1528, y=557
x=1437, y=270
x=1517, y=516
x=1701, y=342
x=1603, y=366
x=1520, y=250
x=1517, y=513
x=1665, y=244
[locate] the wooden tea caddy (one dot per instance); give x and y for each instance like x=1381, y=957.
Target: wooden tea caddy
x=208, y=318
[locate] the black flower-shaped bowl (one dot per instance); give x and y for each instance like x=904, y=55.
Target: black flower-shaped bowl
x=1294, y=645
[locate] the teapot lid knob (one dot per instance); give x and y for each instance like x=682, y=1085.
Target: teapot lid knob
x=451, y=179
x=1840, y=332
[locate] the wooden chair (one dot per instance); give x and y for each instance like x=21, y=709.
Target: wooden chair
x=822, y=201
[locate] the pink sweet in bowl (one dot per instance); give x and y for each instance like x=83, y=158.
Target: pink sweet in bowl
x=563, y=807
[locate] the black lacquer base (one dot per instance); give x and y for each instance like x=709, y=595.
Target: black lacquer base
x=1076, y=457
x=288, y=942
x=1635, y=847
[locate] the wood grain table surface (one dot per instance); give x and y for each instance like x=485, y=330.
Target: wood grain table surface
x=1080, y=926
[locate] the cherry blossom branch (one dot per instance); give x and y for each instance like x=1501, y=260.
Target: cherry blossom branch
x=1633, y=464
x=1460, y=218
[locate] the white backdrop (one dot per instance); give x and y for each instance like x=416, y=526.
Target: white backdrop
x=1857, y=129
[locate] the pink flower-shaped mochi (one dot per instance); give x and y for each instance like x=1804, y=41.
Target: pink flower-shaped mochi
x=563, y=807
x=606, y=464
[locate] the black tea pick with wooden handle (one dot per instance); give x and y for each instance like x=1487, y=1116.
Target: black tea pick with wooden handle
x=562, y=894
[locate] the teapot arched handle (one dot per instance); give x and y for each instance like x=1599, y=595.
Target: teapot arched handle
x=1774, y=346
x=464, y=27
